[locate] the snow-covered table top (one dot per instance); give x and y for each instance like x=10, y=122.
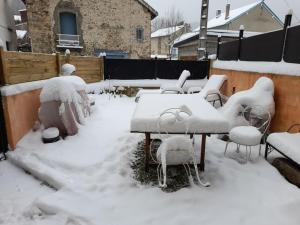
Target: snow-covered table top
x=205, y=119
x=287, y=143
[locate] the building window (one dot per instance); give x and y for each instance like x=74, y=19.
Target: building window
x=68, y=24
x=140, y=34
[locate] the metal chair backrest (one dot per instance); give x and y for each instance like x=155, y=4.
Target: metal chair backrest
x=258, y=117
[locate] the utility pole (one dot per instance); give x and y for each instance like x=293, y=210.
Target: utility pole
x=202, y=48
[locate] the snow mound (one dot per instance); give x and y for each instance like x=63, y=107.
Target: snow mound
x=261, y=94
x=63, y=89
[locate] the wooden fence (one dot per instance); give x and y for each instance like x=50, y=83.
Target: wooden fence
x=18, y=67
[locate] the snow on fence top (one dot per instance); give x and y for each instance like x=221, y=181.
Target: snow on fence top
x=99, y=86
x=281, y=68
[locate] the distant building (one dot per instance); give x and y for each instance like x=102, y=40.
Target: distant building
x=120, y=29
x=8, y=8
x=256, y=18
x=162, y=40
x=23, y=38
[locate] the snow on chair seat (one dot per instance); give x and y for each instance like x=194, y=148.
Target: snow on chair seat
x=288, y=144
x=247, y=135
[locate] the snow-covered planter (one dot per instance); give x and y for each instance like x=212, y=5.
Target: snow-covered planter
x=50, y=135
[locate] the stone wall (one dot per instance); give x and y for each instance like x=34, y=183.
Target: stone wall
x=101, y=24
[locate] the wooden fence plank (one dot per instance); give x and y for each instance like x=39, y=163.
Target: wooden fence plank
x=25, y=67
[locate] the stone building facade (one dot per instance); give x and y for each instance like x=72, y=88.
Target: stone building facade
x=109, y=26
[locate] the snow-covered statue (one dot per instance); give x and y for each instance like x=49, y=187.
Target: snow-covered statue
x=261, y=94
x=64, y=104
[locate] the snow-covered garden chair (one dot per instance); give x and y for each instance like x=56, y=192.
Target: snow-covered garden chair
x=286, y=143
x=176, y=150
x=167, y=89
x=211, y=90
x=258, y=121
x=261, y=94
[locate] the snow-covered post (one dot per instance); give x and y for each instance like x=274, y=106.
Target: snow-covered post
x=241, y=35
x=58, y=65
x=287, y=23
x=67, y=55
x=218, y=45
x=288, y=19
x=2, y=67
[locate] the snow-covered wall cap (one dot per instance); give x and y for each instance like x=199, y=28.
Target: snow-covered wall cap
x=281, y=68
x=16, y=89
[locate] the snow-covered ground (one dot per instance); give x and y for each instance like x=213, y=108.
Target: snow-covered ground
x=94, y=181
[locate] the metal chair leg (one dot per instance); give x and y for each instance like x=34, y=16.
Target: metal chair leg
x=250, y=153
x=238, y=148
x=3, y=157
x=266, y=151
x=246, y=154
x=227, y=143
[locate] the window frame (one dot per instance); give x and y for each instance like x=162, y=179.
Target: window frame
x=59, y=19
x=140, y=34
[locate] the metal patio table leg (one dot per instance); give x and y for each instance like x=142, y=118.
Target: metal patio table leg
x=202, y=153
x=147, y=151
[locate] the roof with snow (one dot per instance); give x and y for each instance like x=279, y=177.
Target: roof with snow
x=221, y=21
x=153, y=12
x=192, y=36
x=236, y=13
x=166, y=31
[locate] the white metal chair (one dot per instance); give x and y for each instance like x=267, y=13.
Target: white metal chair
x=258, y=122
x=167, y=89
x=211, y=90
x=175, y=150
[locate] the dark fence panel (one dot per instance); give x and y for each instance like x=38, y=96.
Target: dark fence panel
x=135, y=69
x=264, y=47
x=129, y=69
x=229, y=50
x=292, y=45
x=167, y=69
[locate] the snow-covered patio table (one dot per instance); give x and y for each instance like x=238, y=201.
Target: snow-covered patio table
x=205, y=119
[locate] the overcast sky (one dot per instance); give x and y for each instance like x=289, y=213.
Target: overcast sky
x=191, y=8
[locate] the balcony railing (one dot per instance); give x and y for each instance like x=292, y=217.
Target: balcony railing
x=68, y=41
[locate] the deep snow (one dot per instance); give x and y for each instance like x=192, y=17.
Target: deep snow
x=94, y=181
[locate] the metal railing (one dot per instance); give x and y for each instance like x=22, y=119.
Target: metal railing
x=68, y=41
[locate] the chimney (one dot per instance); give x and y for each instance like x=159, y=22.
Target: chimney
x=218, y=13
x=227, y=11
